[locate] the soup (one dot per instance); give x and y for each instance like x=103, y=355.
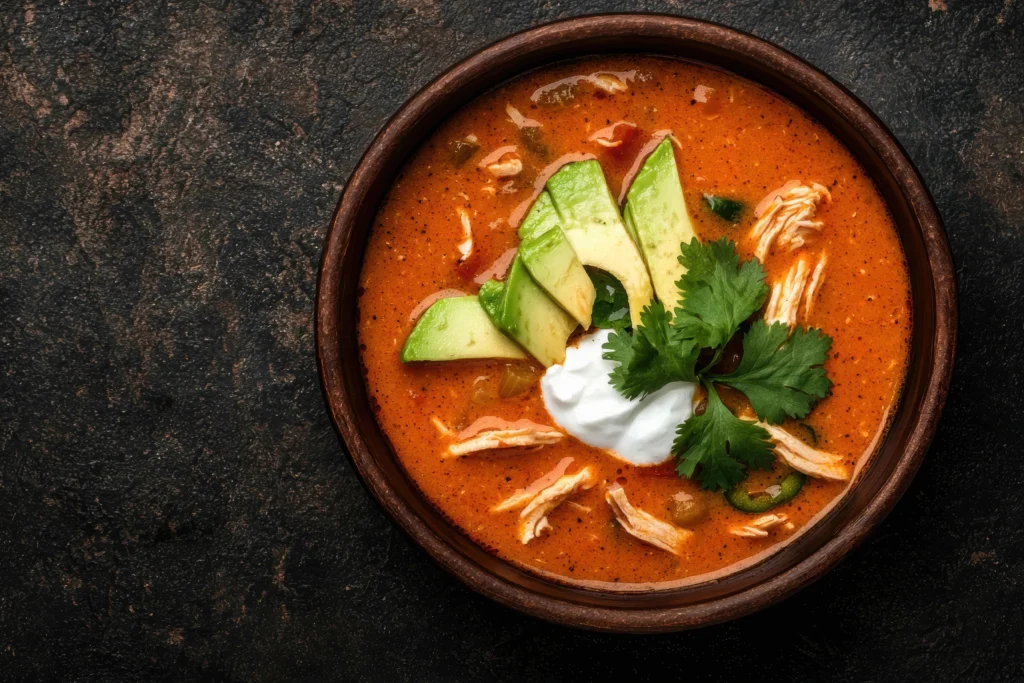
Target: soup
x=630, y=321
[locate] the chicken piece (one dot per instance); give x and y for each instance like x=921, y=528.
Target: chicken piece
x=812, y=287
x=759, y=527
x=608, y=137
x=645, y=526
x=503, y=162
x=786, y=216
x=803, y=458
x=784, y=303
x=466, y=245
x=523, y=496
x=506, y=168
x=441, y=427
x=518, y=119
x=489, y=433
x=534, y=517
x=798, y=288
x=610, y=83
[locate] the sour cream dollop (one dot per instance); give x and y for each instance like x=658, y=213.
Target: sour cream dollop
x=580, y=399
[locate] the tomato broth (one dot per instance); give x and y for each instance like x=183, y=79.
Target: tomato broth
x=735, y=139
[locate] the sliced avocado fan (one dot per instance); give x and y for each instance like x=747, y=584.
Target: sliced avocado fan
x=575, y=222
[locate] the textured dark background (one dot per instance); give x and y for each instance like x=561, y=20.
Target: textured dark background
x=173, y=501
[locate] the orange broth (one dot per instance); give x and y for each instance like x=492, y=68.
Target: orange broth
x=743, y=142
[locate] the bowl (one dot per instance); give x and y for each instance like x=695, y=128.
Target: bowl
x=794, y=565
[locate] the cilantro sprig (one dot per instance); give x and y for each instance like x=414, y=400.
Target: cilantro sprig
x=722, y=445
x=780, y=373
x=718, y=292
x=652, y=357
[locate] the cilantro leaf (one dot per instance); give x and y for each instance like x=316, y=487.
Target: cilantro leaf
x=652, y=357
x=721, y=444
x=781, y=374
x=611, y=307
x=718, y=292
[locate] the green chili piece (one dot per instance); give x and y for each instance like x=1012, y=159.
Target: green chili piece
x=789, y=486
x=462, y=150
x=533, y=140
x=811, y=433
x=724, y=208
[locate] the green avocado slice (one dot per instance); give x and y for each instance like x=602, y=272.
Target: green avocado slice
x=521, y=309
x=656, y=213
x=591, y=222
x=553, y=263
x=454, y=329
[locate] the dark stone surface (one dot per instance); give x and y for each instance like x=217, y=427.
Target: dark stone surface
x=173, y=501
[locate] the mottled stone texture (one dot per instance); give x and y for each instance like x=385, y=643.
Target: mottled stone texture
x=173, y=501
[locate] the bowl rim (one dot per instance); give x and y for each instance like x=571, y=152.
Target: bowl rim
x=480, y=67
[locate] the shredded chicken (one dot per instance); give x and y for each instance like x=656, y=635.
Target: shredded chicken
x=759, y=527
x=645, y=526
x=785, y=300
x=489, y=433
x=812, y=288
x=506, y=168
x=466, y=245
x=610, y=83
x=799, y=287
x=518, y=119
x=523, y=496
x=606, y=137
x=534, y=518
x=803, y=458
x=788, y=217
x=441, y=427
x=503, y=162
x=701, y=93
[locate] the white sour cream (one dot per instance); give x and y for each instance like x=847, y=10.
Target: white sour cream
x=581, y=401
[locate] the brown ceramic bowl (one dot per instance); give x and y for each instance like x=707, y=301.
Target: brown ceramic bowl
x=812, y=553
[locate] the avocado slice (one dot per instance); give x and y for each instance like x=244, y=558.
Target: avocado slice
x=553, y=263
x=656, y=213
x=521, y=309
x=454, y=329
x=491, y=295
x=591, y=222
